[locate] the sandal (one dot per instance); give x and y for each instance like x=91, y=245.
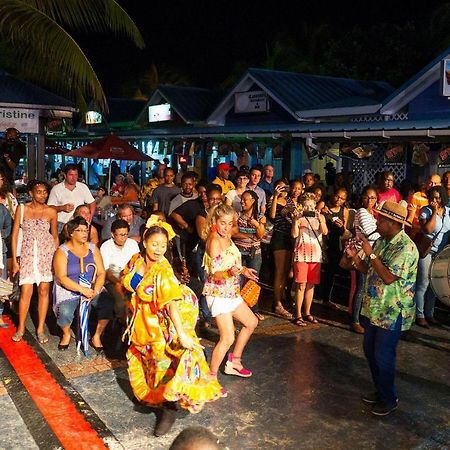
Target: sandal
x=279, y=310
x=42, y=338
x=311, y=319
x=299, y=322
x=259, y=316
x=17, y=336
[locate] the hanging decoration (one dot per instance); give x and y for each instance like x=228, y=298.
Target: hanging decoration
x=420, y=154
x=395, y=153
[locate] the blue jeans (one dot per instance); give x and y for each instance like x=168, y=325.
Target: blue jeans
x=251, y=263
x=357, y=299
x=380, y=349
x=424, y=297
x=203, y=306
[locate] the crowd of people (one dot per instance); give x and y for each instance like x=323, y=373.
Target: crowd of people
x=194, y=245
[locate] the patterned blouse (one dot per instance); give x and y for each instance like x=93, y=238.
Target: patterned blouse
x=382, y=303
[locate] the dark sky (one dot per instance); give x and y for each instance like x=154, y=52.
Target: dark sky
x=205, y=38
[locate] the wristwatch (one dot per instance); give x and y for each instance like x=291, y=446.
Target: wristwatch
x=372, y=256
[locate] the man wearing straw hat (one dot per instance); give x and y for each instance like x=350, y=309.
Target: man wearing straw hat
x=388, y=305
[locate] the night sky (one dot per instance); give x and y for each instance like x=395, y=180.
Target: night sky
x=205, y=39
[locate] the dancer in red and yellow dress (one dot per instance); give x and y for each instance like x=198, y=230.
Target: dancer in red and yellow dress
x=166, y=363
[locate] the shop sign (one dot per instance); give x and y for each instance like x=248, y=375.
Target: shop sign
x=24, y=120
x=251, y=102
x=445, y=78
x=394, y=154
x=159, y=113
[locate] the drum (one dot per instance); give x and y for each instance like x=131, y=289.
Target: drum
x=440, y=275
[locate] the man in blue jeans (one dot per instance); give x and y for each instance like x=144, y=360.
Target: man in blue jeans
x=388, y=301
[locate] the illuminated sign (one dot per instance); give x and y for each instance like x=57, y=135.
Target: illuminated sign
x=24, y=120
x=93, y=117
x=159, y=113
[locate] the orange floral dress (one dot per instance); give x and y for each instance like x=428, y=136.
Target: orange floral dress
x=159, y=367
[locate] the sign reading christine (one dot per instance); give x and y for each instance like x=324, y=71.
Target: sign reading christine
x=24, y=120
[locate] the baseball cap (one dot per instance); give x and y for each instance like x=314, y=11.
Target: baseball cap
x=223, y=166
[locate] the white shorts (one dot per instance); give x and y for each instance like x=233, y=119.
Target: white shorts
x=222, y=305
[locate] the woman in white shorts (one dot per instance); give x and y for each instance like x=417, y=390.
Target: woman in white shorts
x=222, y=262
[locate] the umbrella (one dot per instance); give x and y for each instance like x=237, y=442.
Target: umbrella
x=83, y=312
x=110, y=147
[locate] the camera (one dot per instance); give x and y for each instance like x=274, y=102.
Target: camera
x=285, y=189
x=309, y=214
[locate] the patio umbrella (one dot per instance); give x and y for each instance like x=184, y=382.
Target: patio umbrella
x=52, y=148
x=83, y=311
x=110, y=147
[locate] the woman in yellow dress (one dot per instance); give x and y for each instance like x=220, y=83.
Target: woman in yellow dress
x=166, y=363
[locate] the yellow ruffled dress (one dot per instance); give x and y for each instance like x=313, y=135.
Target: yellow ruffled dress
x=160, y=369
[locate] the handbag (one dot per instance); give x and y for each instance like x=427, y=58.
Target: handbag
x=424, y=242
x=20, y=234
x=6, y=289
x=250, y=293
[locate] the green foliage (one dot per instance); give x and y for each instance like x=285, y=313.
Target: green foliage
x=43, y=51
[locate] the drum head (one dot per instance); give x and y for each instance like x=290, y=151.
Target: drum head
x=440, y=275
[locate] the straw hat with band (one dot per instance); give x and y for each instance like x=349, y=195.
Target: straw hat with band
x=394, y=211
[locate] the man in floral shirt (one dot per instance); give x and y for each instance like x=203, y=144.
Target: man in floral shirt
x=388, y=306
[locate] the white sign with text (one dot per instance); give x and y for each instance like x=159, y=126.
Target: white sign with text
x=24, y=120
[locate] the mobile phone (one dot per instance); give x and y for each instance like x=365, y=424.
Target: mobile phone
x=309, y=214
x=285, y=189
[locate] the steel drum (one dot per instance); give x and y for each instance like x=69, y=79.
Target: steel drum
x=440, y=275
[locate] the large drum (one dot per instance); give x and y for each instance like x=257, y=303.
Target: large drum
x=440, y=275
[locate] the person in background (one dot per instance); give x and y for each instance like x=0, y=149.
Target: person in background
x=146, y=193
x=94, y=174
x=125, y=212
x=319, y=197
x=255, y=178
x=11, y=149
x=84, y=212
x=418, y=200
x=296, y=189
x=434, y=220
x=5, y=230
x=116, y=253
x=223, y=173
x=163, y=194
x=187, y=192
x=40, y=240
x=279, y=212
x=247, y=236
x=386, y=190
x=365, y=225
x=336, y=216
x=67, y=195
x=118, y=188
x=135, y=171
x=233, y=172
x=183, y=169
x=233, y=197
x=267, y=181
x=388, y=301
x=446, y=184
x=308, y=227
x=7, y=198
x=196, y=438
x=308, y=181
x=70, y=261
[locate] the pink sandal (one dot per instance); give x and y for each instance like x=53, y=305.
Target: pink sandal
x=230, y=368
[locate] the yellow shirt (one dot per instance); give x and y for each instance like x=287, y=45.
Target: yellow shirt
x=226, y=185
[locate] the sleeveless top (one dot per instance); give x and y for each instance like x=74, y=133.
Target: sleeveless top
x=75, y=267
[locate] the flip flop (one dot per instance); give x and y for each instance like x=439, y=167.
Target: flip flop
x=42, y=338
x=17, y=336
x=279, y=310
x=299, y=322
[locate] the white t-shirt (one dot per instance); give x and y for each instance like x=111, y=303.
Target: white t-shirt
x=116, y=258
x=60, y=195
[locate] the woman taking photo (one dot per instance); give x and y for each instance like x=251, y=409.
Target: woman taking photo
x=166, y=363
x=222, y=262
x=434, y=220
x=40, y=239
x=77, y=256
x=365, y=225
x=280, y=209
x=247, y=236
x=336, y=216
x=233, y=197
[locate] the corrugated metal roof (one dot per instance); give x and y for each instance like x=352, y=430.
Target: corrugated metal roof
x=192, y=104
x=300, y=92
x=16, y=91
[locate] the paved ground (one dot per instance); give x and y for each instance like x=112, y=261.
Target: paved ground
x=304, y=394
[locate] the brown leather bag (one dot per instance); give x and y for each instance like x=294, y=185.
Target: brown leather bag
x=423, y=243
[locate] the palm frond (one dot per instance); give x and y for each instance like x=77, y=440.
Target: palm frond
x=46, y=55
x=89, y=16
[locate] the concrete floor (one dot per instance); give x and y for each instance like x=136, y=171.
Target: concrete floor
x=305, y=393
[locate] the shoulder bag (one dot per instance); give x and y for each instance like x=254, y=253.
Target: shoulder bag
x=20, y=234
x=424, y=242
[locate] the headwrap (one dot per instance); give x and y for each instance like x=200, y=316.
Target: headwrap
x=155, y=221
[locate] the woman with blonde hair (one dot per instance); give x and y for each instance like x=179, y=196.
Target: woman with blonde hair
x=222, y=262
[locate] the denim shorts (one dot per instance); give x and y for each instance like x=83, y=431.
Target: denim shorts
x=103, y=305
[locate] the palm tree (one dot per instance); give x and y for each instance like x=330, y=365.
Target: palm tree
x=44, y=51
